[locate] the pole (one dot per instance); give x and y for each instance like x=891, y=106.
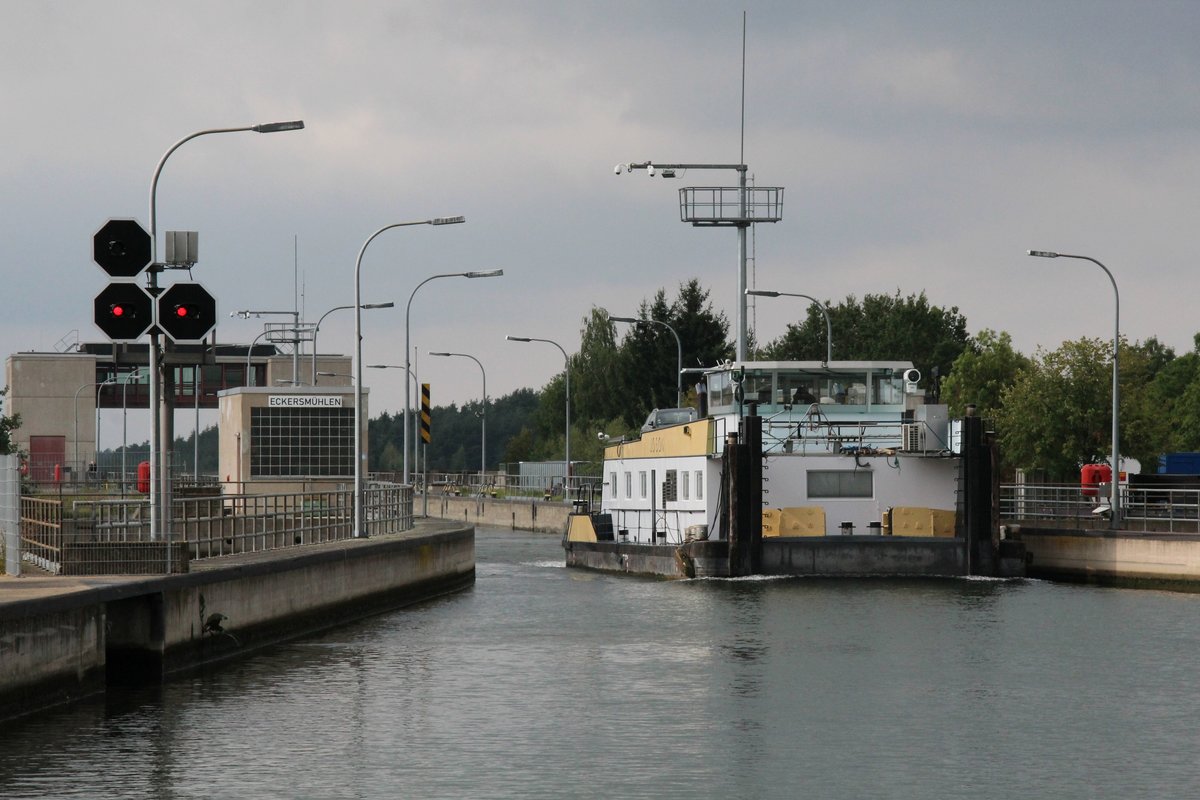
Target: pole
x=1115, y=483
x=157, y=494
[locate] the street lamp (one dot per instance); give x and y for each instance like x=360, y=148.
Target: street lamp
x=160, y=487
x=678, y=353
x=125, y=419
x=817, y=303
x=567, y=373
x=493, y=273
x=295, y=315
x=358, y=433
x=1114, y=502
x=317, y=328
x=482, y=417
x=77, y=391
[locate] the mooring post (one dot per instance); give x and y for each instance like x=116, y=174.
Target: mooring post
x=977, y=485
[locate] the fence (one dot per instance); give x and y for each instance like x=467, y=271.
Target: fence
x=112, y=536
x=1157, y=509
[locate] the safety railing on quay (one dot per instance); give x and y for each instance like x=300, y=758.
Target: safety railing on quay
x=112, y=535
x=502, y=486
x=1148, y=509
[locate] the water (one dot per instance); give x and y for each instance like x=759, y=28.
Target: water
x=548, y=682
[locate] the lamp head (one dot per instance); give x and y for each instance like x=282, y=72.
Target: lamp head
x=276, y=127
x=762, y=293
x=438, y=354
x=1042, y=253
x=518, y=338
x=625, y=319
x=491, y=273
x=447, y=220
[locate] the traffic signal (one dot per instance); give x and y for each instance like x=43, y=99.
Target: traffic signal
x=121, y=247
x=187, y=312
x=124, y=311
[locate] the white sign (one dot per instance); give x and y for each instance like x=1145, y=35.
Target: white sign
x=304, y=401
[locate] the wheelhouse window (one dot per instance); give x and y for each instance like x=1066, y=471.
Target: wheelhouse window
x=840, y=484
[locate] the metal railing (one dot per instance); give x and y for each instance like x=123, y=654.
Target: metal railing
x=1150, y=509
x=112, y=536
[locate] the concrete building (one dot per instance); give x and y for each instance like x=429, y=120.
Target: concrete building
x=57, y=394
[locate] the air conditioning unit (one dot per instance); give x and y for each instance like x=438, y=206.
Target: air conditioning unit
x=912, y=437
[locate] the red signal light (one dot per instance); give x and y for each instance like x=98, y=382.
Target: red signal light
x=117, y=310
x=182, y=312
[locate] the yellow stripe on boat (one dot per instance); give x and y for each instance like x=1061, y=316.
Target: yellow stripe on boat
x=691, y=439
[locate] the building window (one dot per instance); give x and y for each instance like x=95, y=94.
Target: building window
x=612, y=484
x=834, y=484
x=699, y=485
x=301, y=442
x=684, y=484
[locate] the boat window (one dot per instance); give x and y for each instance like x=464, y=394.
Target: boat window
x=850, y=389
x=642, y=476
x=612, y=484
x=796, y=390
x=888, y=390
x=628, y=485
x=684, y=484
x=843, y=483
x=699, y=485
x=671, y=487
x=758, y=386
x=720, y=389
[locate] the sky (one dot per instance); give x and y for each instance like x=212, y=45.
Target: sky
x=922, y=146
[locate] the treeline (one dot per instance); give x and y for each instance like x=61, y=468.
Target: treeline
x=1051, y=410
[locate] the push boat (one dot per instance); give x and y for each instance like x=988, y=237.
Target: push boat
x=798, y=468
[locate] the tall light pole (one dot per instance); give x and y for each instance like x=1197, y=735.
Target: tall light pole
x=1115, y=487
x=815, y=302
x=359, y=531
x=482, y=416
x=160, y=482
x=295, y=315
x=408, y=422
x=710, y=207
x=77, y=391
x=678, y=353
x=567, y=374
x=125, y=420
x=317, y=329
x=411, y=377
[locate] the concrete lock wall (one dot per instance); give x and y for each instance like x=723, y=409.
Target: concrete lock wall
x=526, y=515
x=56, y=646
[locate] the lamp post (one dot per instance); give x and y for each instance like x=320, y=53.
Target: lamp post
x=295, y=315
x=493, y=273
x=125, y=420
x=317, y=329
x=482, y=416
x=249, y=353
x=678, y=353
x=1115, y=487
x=358, y=433
x=77, y=391
x=160, y=486
x=815, y=302
x=567, y=374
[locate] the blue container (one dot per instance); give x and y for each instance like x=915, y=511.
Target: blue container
x=1179, y=464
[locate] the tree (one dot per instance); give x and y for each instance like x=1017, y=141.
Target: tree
x=1057, y=413
x=880, y=328
x=981, y=373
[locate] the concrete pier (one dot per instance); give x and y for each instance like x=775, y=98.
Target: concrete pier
x=63, y=638
x=1119, y=558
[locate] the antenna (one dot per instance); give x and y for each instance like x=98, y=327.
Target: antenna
x=742, y=146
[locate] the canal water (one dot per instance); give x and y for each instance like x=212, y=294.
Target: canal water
x=543, y=682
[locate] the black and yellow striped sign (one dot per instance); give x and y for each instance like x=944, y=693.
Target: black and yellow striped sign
x=425, y=416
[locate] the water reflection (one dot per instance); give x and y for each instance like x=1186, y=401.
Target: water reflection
x=547, y=682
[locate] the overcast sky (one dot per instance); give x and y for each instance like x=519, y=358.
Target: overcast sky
x=922, y=146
